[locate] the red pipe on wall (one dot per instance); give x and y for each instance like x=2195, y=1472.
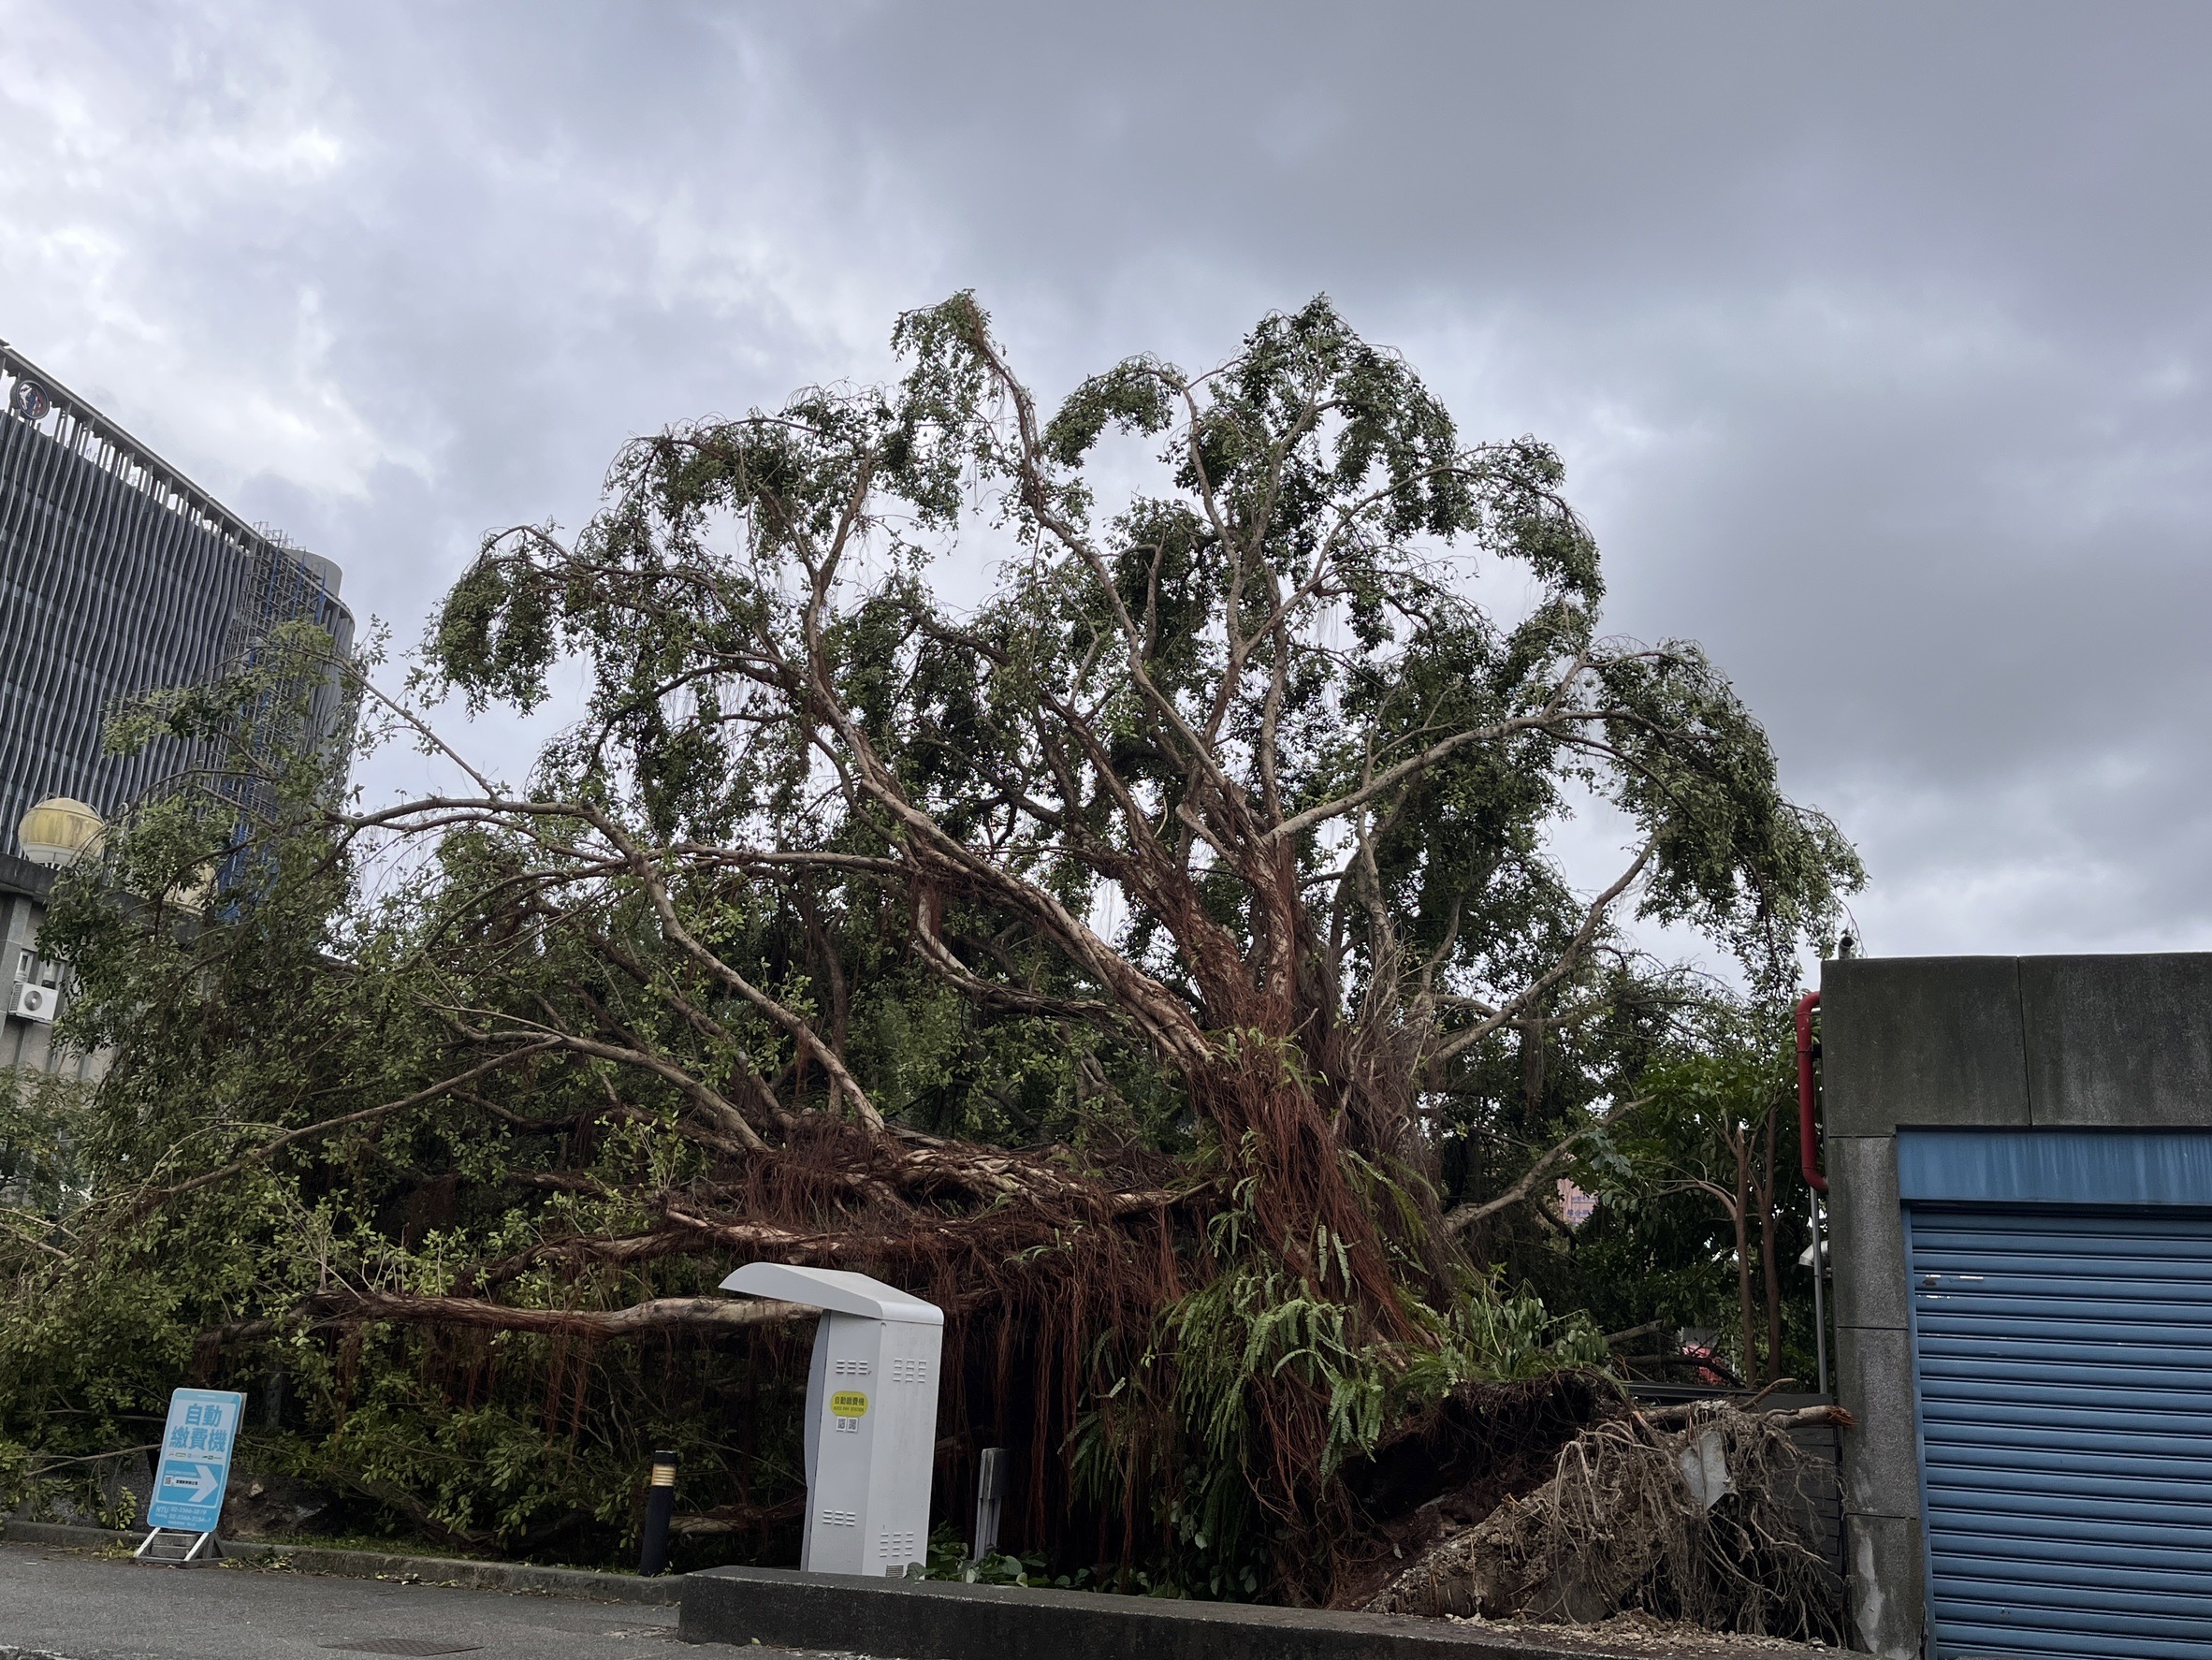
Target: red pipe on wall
x=1808, y=1141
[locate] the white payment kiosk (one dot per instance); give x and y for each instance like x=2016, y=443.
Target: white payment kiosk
x=871, y=1416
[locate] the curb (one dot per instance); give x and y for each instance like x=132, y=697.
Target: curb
x=584, y=1584
x=936, y=1620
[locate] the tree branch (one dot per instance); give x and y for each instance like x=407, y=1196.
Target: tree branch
x=1462, y=1217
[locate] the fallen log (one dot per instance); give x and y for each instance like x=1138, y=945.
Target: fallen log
x=662, y=1314
x=1784, y=1418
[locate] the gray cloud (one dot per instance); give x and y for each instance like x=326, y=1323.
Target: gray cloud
x=1875, y=338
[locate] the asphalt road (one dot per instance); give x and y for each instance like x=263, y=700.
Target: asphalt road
x=82, y=1607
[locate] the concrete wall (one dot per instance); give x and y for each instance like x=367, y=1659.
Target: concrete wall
x=1987, y=1042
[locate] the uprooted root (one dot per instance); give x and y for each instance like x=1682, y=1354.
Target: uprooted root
x=1709, y=1523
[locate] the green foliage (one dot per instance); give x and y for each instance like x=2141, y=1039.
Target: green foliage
x=1194, y=1399
x=949, y=1560
x=42, y=1170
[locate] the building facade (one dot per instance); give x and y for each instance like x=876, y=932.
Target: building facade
x=2019, y=1165
x=118, y=575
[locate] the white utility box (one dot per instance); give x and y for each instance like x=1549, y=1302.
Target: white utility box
x=871, y=1416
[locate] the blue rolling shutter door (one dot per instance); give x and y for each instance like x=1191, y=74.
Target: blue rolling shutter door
x=2064, y=1365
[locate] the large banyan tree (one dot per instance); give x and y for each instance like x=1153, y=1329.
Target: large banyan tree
x=1154, y=961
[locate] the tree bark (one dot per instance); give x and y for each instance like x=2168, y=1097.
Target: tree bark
x=1739, y=1141
x=662, y=1314
x=1768, y=1268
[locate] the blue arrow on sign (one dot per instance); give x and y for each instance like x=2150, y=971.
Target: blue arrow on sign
x=195, y=1469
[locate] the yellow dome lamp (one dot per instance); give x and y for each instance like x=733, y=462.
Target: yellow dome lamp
x=59, y=831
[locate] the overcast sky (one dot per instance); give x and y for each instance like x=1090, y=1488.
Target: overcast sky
x=1875, y=339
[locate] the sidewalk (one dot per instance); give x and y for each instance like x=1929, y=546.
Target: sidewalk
x=71, y=1602
x=83, y=1607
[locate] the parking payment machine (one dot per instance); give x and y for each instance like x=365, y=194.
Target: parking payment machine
x=871, y=1416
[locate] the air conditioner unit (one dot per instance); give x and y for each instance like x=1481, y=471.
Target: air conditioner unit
x=33, y=1001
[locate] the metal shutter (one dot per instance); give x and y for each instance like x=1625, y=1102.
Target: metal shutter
x=2064, y=1366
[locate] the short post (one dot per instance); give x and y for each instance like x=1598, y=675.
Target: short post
x=990, y=1487
x=652, y=1550
x=1820, y=1304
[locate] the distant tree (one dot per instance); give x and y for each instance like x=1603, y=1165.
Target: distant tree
x=1128, y=962
x=1718, y=1129
x=1702, y=1207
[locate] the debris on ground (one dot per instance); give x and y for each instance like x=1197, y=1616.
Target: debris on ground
x=1646, y=1636
x=1695, y=1514
x=1447, y=1468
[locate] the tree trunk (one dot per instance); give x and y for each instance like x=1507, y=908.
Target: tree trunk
x=1740, y=1216
x=1769, y=1267
x=1531, y=1066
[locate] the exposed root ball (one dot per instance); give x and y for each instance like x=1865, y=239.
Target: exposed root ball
x=1709, y=1524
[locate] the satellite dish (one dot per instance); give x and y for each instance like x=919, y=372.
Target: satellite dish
x=30, y=402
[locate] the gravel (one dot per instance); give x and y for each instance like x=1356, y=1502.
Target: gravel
x=1664, y=1640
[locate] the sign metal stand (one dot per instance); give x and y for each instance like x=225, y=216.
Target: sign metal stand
x=172, y=1546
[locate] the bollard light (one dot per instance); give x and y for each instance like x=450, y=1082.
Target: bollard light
x=652, y=1550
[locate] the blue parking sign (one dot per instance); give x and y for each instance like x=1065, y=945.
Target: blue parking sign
x=194, y=1465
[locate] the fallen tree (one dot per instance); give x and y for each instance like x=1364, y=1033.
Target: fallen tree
x=1128, y=962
